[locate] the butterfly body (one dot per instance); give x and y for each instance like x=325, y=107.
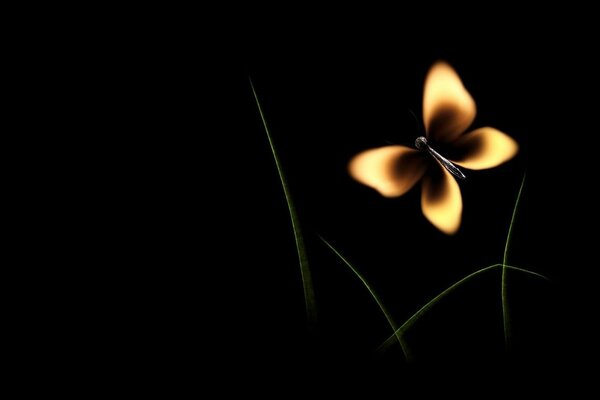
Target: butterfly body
x=421, y=144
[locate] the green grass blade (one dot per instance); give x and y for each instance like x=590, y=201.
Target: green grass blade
x=528, y=272
x=410, y=322
x=387, y=315
x=307, y=283
x=504, y=289
x=415, y=317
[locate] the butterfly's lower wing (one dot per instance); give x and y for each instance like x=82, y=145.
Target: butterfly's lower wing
x=441, y=200
x=391, y=170
x=484, y=148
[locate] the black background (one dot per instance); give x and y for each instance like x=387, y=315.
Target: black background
x=193, y=263
x=328, y=99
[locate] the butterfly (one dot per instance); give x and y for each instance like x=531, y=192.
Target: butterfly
x=448, y=110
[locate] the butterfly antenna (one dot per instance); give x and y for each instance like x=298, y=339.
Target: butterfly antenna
x=417, y=123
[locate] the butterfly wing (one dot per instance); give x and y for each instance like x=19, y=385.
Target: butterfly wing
x=484, y=148
x=391, y=170
x=441, y=200
x=448, y=109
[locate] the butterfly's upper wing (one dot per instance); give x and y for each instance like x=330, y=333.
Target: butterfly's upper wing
x=441, y=200
x=484, y=148
x=391, y=170
x=448, y=109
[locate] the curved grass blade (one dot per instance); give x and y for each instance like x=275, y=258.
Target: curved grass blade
x=410, y=322
x=528, y=272
x=387, y=315
x=504, y=286
x=307, y=283
x=415, y=317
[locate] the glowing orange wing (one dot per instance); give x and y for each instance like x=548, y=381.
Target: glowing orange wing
x=391, y=170
x=448, y=109
x=441, y=200
x=485, y=148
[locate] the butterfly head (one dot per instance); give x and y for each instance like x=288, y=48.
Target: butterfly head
x=421, y=143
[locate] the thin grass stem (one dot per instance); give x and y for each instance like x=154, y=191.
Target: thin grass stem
x=387, y=315
x=307, y=282
x=504, y=286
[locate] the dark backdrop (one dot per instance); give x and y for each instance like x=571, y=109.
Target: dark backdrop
x=211, y=279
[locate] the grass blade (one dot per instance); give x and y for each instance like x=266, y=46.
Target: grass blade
x=415, y=317
x=528, y=272
x=410, y=322
x=387, y=315
x=504, y=289
x=307, y=283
